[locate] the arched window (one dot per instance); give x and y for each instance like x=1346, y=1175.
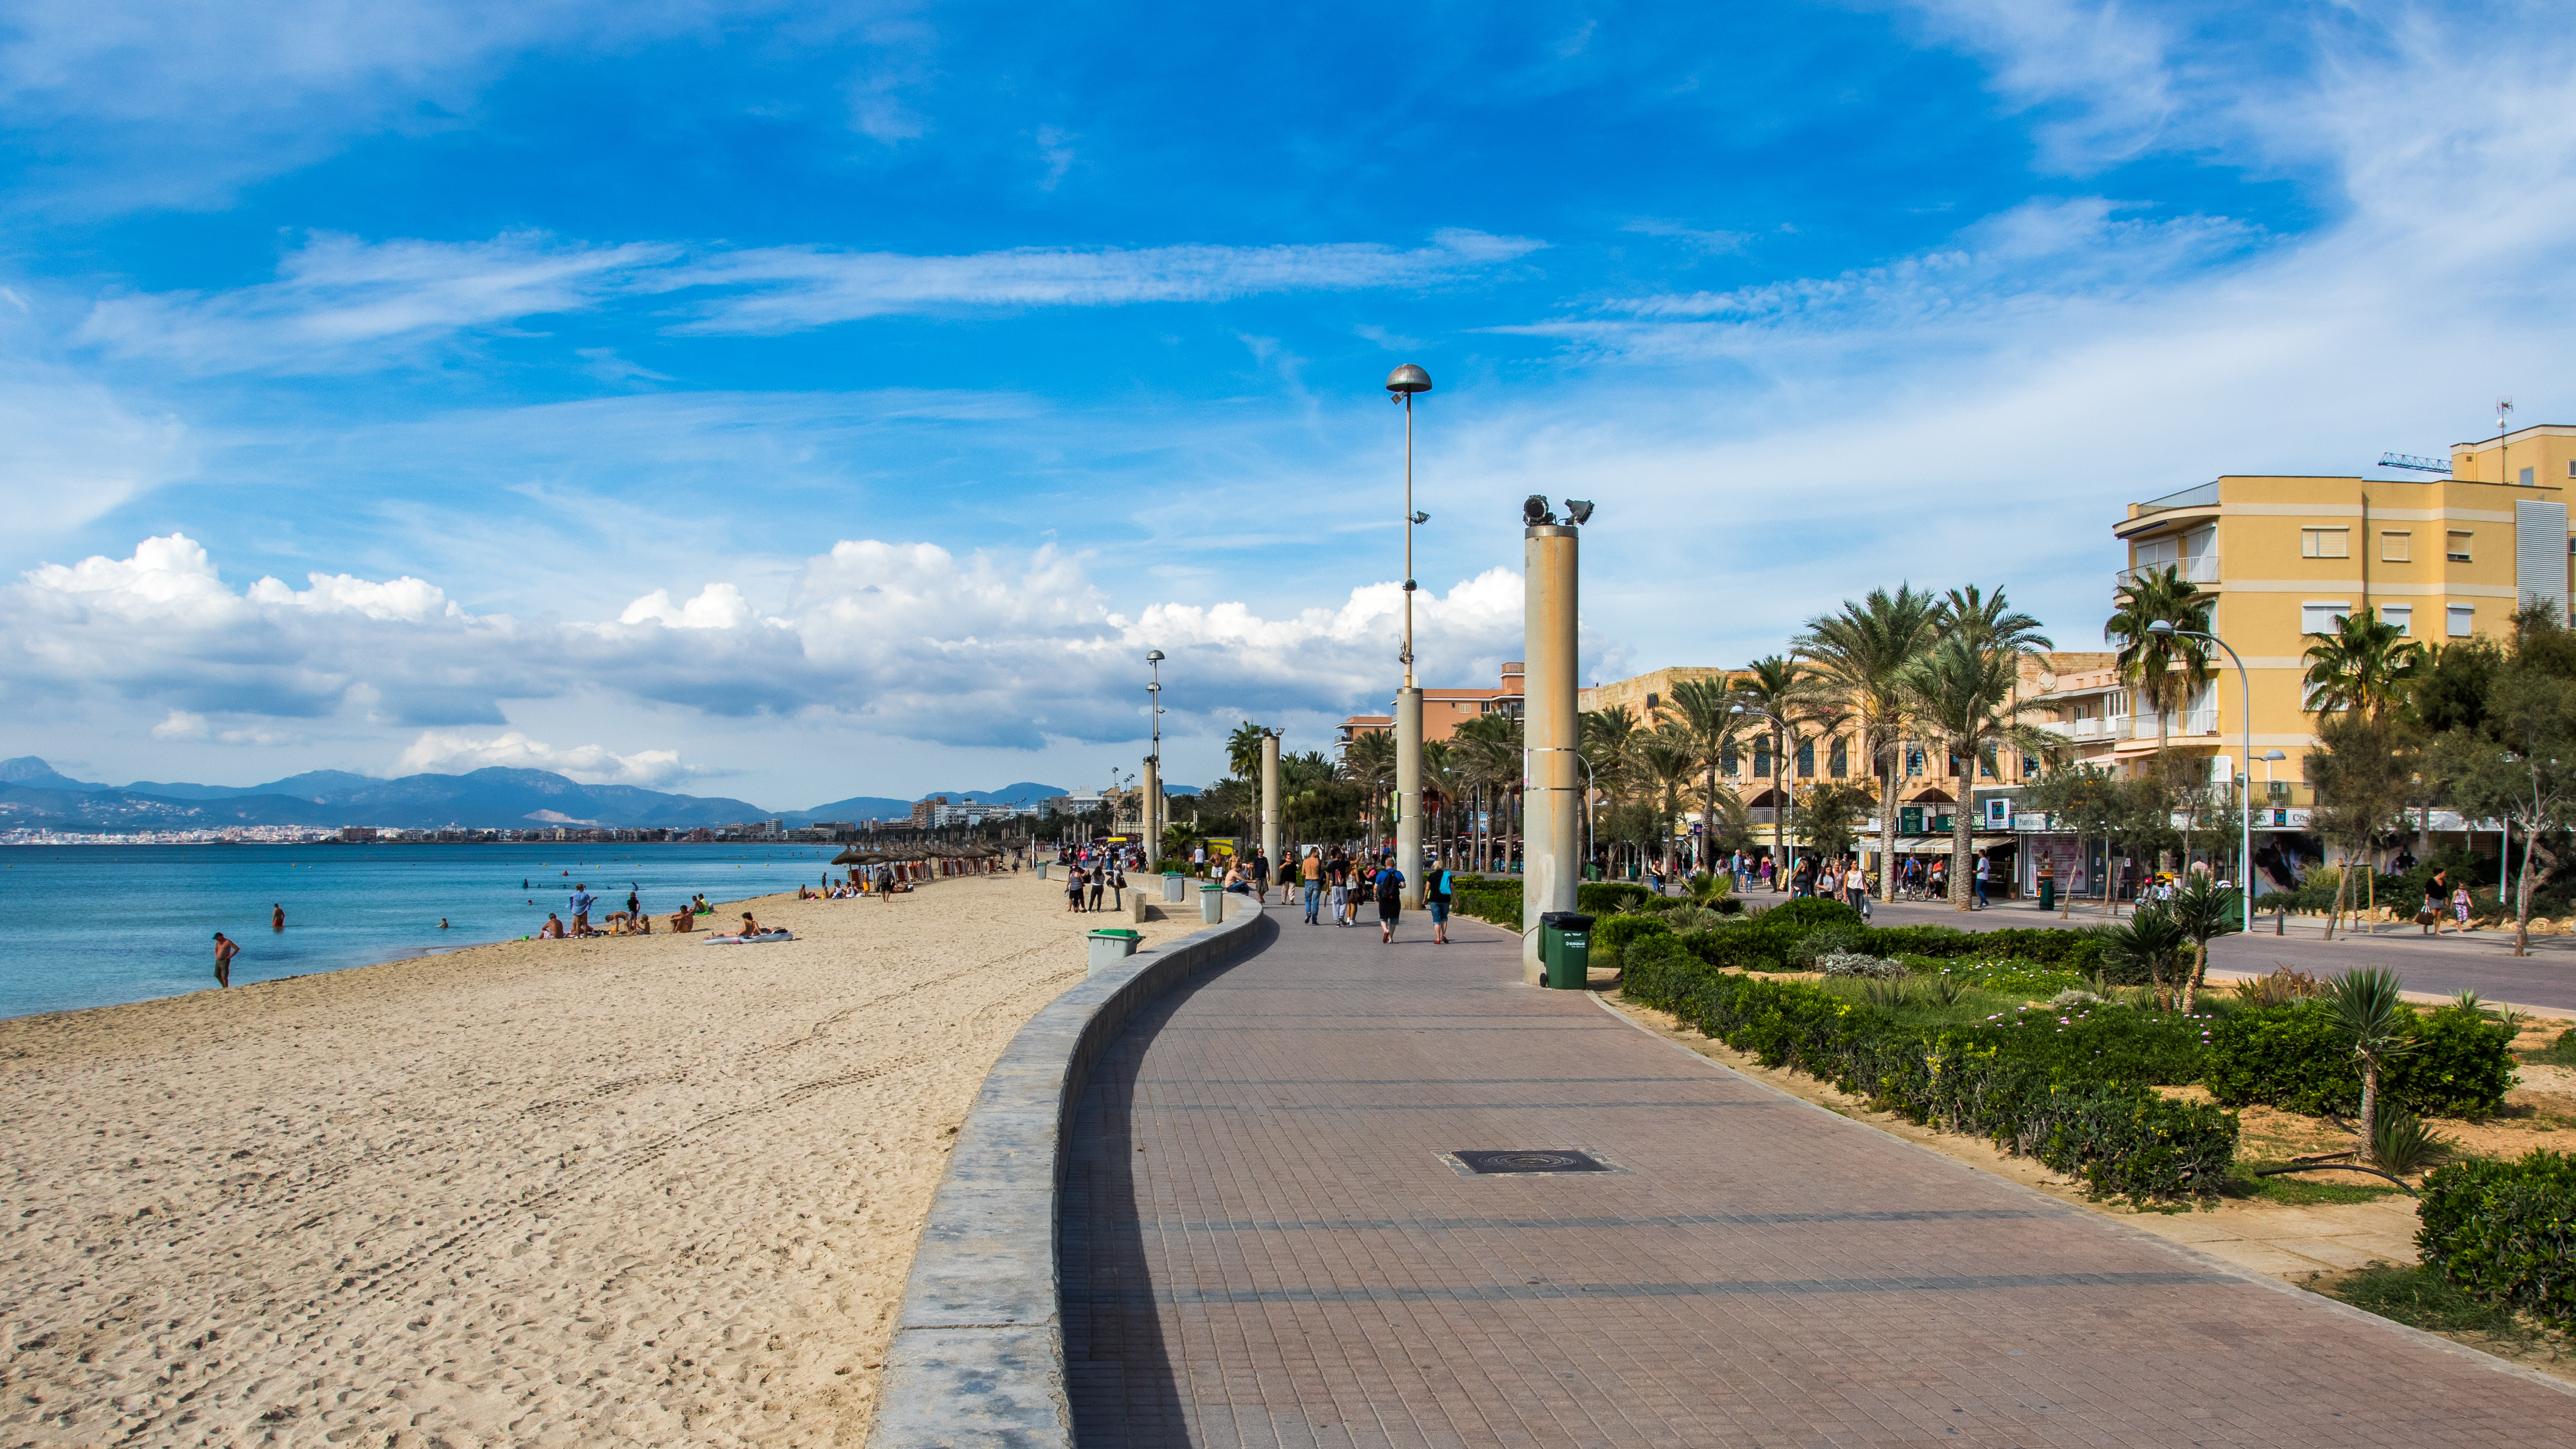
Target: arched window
x=1806, y=759
x=1838, y=763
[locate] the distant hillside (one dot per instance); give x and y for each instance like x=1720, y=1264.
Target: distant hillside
x=34, y=796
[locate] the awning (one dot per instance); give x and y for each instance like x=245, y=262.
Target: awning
x=1942, y=844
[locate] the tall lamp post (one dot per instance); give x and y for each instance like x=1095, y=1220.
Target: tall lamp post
x=1153, y=801
x=1403, y=383
x=2164, y=629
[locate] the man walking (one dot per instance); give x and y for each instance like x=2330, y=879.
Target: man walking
x=1312, y=871
x=225, y=951
x=582, y=901
x=1983, y=865
x=1260, y=877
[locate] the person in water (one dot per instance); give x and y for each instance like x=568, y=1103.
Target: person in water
x=442, y=923
x=225, y=951
x=277, y=917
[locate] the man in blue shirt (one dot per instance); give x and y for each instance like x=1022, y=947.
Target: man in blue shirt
x=582, y=901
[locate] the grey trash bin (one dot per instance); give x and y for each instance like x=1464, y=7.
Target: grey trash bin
x=1112, y=947
x=1211, y=904
x=1173, y=884
x=1042, y=870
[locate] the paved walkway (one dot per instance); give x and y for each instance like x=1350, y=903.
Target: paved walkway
x=1263, y=1245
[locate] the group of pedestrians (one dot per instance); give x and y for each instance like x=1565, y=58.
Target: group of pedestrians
x=1088, y=883
x=1341, y=883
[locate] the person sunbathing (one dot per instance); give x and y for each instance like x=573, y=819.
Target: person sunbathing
x=750, y=927
x=682, y=922
x=553, y=929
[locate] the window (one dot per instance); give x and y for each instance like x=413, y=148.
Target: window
x=2319, y=618
x=2400, y=617
x=1806, y=759
x=2463, y=620
x=2325, y=543
x=2457, y=548
x=1651, y=700
x=2156, y=553
x=1838, y=763
x=2396, y=547
x=2526, y=477
x=1762, y=762
x=2571, y=467
x=1727, y=761
x=1913, y=761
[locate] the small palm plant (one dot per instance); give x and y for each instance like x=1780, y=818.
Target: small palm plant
x=2152, y=940
x=2401, y=1143
x=2204, y=911
x=2373, y=1014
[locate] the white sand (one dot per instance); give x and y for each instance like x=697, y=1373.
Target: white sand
x=630, y=1190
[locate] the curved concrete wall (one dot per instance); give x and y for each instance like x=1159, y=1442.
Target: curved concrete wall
x=978, y=1353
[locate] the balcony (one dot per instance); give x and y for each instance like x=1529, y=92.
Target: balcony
x=2201, y=570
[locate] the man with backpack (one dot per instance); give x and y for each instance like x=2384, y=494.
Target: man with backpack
x=1389, y=884
x=1437, y=891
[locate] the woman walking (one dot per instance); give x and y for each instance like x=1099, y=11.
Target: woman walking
x=1390, y=899
x=1073, y=889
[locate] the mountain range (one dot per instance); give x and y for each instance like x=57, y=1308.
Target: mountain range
x=35, y=796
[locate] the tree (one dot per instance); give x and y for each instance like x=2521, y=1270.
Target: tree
x=1861, y=656
x=1990, y=623
x=1710, y=716
x=1489, y=752
x=1775, y=690
x=2164, y=669
x=2082, y=800
x=1607, y=765
x=2373, y=1014
x=1443, y=782
x=2518, y=762
x=2152, y=940
x=1369, y=762
x=1963, y=697
x=1824, y=812
x=2363, y=665
x=2363, y=773
x=1243, y=751
x=1665, y=763
x=2205, y=912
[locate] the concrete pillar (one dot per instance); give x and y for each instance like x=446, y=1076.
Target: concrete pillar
x=1408, y=792
x=1150, y=807
x=1270, y=805
x=1551, y=734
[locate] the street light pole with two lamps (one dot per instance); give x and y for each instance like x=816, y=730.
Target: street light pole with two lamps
x=1402, y=384
x=2164, y=629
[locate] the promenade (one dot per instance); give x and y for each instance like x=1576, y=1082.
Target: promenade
x=1267, y=1239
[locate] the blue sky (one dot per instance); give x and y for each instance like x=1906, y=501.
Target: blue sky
x=795, y=401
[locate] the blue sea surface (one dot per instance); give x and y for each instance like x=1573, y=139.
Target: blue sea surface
x=101, y=924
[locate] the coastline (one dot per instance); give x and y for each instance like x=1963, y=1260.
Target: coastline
x=518, y=1191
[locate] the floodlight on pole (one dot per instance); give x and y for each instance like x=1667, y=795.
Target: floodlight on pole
x=1401, y=385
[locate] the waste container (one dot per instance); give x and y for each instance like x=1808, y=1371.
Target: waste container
x=1211, y=903
x=1112, y=947
x=2048, y=893
x=1173, y=882
x=1042, y=867
x=1565, y=949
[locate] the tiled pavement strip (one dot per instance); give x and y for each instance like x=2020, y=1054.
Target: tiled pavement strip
x=1262, y=1246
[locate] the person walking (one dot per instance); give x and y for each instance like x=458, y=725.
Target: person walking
x=1984, y=867
x=1099, y=884
x=1117, y=888
x=225, y=951
x=1312, y=871
x=1390, y=899
x=1437, y=890
x=1341, y=892
x=1073, y=889
x=1260, y=877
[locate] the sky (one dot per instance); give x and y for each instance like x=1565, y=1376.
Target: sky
x=793, y=401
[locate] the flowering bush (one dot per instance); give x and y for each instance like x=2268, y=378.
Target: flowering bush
x=1852, y=963
x=2505, y=1231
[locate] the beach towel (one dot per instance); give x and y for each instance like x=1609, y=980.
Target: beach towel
x=763, y=939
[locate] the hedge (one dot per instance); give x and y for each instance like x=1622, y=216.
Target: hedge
x=2296, y=1058
x=1608, y=897
x=1611, y=937
x=2505, y=1231
x=2075, y=1096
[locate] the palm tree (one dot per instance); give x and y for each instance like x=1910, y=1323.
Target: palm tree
x=2205, y=913
x=1667, y=762
x=1991, y=623
x=1489, y=750
x=1776, y=689
x=1860, y=655
x=1369, y=762
x=1443, y=781
x=1710, y=714
x=2165, y=669
x=2373, y=1014
x=1962, y=697
x=1607, y=733
x=2363, y=665
x=2152, y=939
x=1243, y=751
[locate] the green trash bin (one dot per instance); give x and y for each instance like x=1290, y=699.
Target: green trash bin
x=2048, y=893
x=1112, y=947
x=1565, y=949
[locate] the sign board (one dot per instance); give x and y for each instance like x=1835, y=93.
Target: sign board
x=1998, y=814
x=1909, y=820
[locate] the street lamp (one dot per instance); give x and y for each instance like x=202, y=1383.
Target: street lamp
x=1151, y=805
x=1401, y=385
x=2164, y=629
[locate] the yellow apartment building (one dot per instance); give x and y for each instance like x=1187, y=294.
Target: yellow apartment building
x=2283, y=558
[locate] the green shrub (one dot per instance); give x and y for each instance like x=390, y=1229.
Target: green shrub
x=2070, y=1089
x=1810, y=912
x=1607, y=897
x=2559, y=1053
x=1494, y=901
x=1611, y=937
x=2505, y=1231
x=2460, y=1064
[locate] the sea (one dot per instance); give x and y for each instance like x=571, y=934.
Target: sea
x=103, y=924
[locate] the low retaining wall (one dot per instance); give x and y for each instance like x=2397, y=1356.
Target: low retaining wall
x=978, y=1352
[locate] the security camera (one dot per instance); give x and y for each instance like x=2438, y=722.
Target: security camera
x=1422, y=518
x=1579, y=509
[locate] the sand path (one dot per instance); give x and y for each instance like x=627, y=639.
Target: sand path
x=618, y=1191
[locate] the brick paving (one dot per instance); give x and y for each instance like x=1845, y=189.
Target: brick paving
x=1263, y=1244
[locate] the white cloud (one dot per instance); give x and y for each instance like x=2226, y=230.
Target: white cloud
x=786, y=289
x=445, y=752
x=2098, y=65
x=340, y=302
x=893, y=639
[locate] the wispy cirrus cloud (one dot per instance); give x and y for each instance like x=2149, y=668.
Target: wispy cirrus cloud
x=341, y=303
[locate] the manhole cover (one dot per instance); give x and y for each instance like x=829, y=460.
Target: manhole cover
x=1567, y=1160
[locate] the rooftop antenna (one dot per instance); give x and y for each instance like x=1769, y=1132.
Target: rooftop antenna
x=2416, y=461
x=2504, y=442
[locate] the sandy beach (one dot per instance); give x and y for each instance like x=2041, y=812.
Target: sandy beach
x=616, y=1191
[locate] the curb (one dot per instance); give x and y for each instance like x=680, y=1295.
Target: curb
x=978, y=1351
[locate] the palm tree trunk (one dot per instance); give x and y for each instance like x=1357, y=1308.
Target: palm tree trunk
x=1963, y=885
x=2343, y=883
x=2199, y=968
x=1887, y=830
x=2369, y=1101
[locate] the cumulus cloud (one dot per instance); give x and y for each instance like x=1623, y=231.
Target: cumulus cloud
x=448, y=752
x=895, y=639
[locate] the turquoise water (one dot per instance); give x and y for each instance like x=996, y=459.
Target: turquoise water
x=98, y=924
